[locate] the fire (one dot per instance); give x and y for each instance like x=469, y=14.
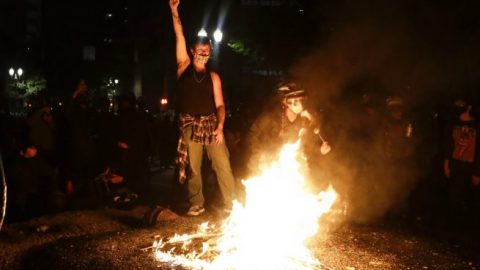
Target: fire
x=269, y=231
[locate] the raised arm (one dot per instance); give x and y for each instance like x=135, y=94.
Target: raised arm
x=183, y=60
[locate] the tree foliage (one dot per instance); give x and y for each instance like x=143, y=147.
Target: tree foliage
x=27, y=88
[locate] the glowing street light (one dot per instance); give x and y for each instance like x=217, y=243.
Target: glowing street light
x=218, y=35
x=202, y=33
x=163, y=101
x=16, y=74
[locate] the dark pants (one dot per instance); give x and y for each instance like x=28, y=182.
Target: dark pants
x=461, y=194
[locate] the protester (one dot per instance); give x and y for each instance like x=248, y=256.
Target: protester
x=284, y=124
x=42, y=131
x=399, y=142
x=201, y=111
x=133, y=140
x=462, y=163
x=33, y=189
x=105, y=133
x=81, y=157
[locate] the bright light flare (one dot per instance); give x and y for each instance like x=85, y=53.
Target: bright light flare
x=202, y=33
x=269, y=231
x=163, y=101
x=218, y=35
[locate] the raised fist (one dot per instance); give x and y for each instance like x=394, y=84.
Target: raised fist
x=174, y=4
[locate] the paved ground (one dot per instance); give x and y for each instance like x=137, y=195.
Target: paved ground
x=113, y=239
x=109, y=238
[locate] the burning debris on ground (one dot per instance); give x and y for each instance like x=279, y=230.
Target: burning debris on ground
x=256, y=235
x=99, y=240
x=253, y=236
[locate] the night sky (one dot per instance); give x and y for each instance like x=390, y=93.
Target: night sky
x=405, y=46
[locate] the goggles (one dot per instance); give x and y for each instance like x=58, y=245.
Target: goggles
x=295, y=101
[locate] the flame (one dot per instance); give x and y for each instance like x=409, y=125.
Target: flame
x=269, y=231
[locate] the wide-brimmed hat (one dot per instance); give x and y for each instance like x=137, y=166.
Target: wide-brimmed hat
x=290, y=90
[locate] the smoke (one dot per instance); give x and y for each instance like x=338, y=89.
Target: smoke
x=405, y=45
x=373, y=49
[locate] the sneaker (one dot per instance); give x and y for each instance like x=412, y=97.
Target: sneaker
x=195, y=210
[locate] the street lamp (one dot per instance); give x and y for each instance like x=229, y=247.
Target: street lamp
x=218, y=35
x=163, y=101
x=15, y=74
x=202, y=33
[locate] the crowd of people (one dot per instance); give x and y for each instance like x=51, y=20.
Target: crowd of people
x=83, y=154
x=399, y=159
x=387, y=157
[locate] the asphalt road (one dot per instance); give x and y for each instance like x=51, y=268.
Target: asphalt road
x=113, y=239
x=110, y=238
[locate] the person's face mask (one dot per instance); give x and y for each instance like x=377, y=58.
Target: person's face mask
x=295, y=105
x=201, y=54
x=201, y=58
x=458, y=110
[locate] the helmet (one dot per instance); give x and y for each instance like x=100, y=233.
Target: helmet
x=290, y=90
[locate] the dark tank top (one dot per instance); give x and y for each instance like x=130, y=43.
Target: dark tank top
x=195, y=93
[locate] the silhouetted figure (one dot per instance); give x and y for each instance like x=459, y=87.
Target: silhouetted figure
x=10, y=131
x=105, y=133
x=462, y=164
x=32, y=185
x=133, y=141
x=398, y=144
x=42, y=132
x=81, y=165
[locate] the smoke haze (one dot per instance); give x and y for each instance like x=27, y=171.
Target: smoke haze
x=403, y=44
x=420, y=51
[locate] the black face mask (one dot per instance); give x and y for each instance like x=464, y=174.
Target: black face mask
x=457, y=110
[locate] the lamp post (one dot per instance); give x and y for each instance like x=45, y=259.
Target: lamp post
x=218, y=35
x=202, y=33
x=15, y=73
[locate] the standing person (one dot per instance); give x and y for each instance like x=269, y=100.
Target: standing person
x=81, y=155
x=42, y=131
x=32, y=184
x=105, y=133
x=399, y=143
x=134, y=143
x=273, y=128
x=461, y=163
x=201, y=118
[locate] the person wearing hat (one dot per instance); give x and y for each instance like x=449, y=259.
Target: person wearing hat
x=273, y=128
x=201, y=111
x=399, y=143
x=462, y=165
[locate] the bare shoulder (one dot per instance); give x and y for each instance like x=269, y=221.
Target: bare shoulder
x=214, y=76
